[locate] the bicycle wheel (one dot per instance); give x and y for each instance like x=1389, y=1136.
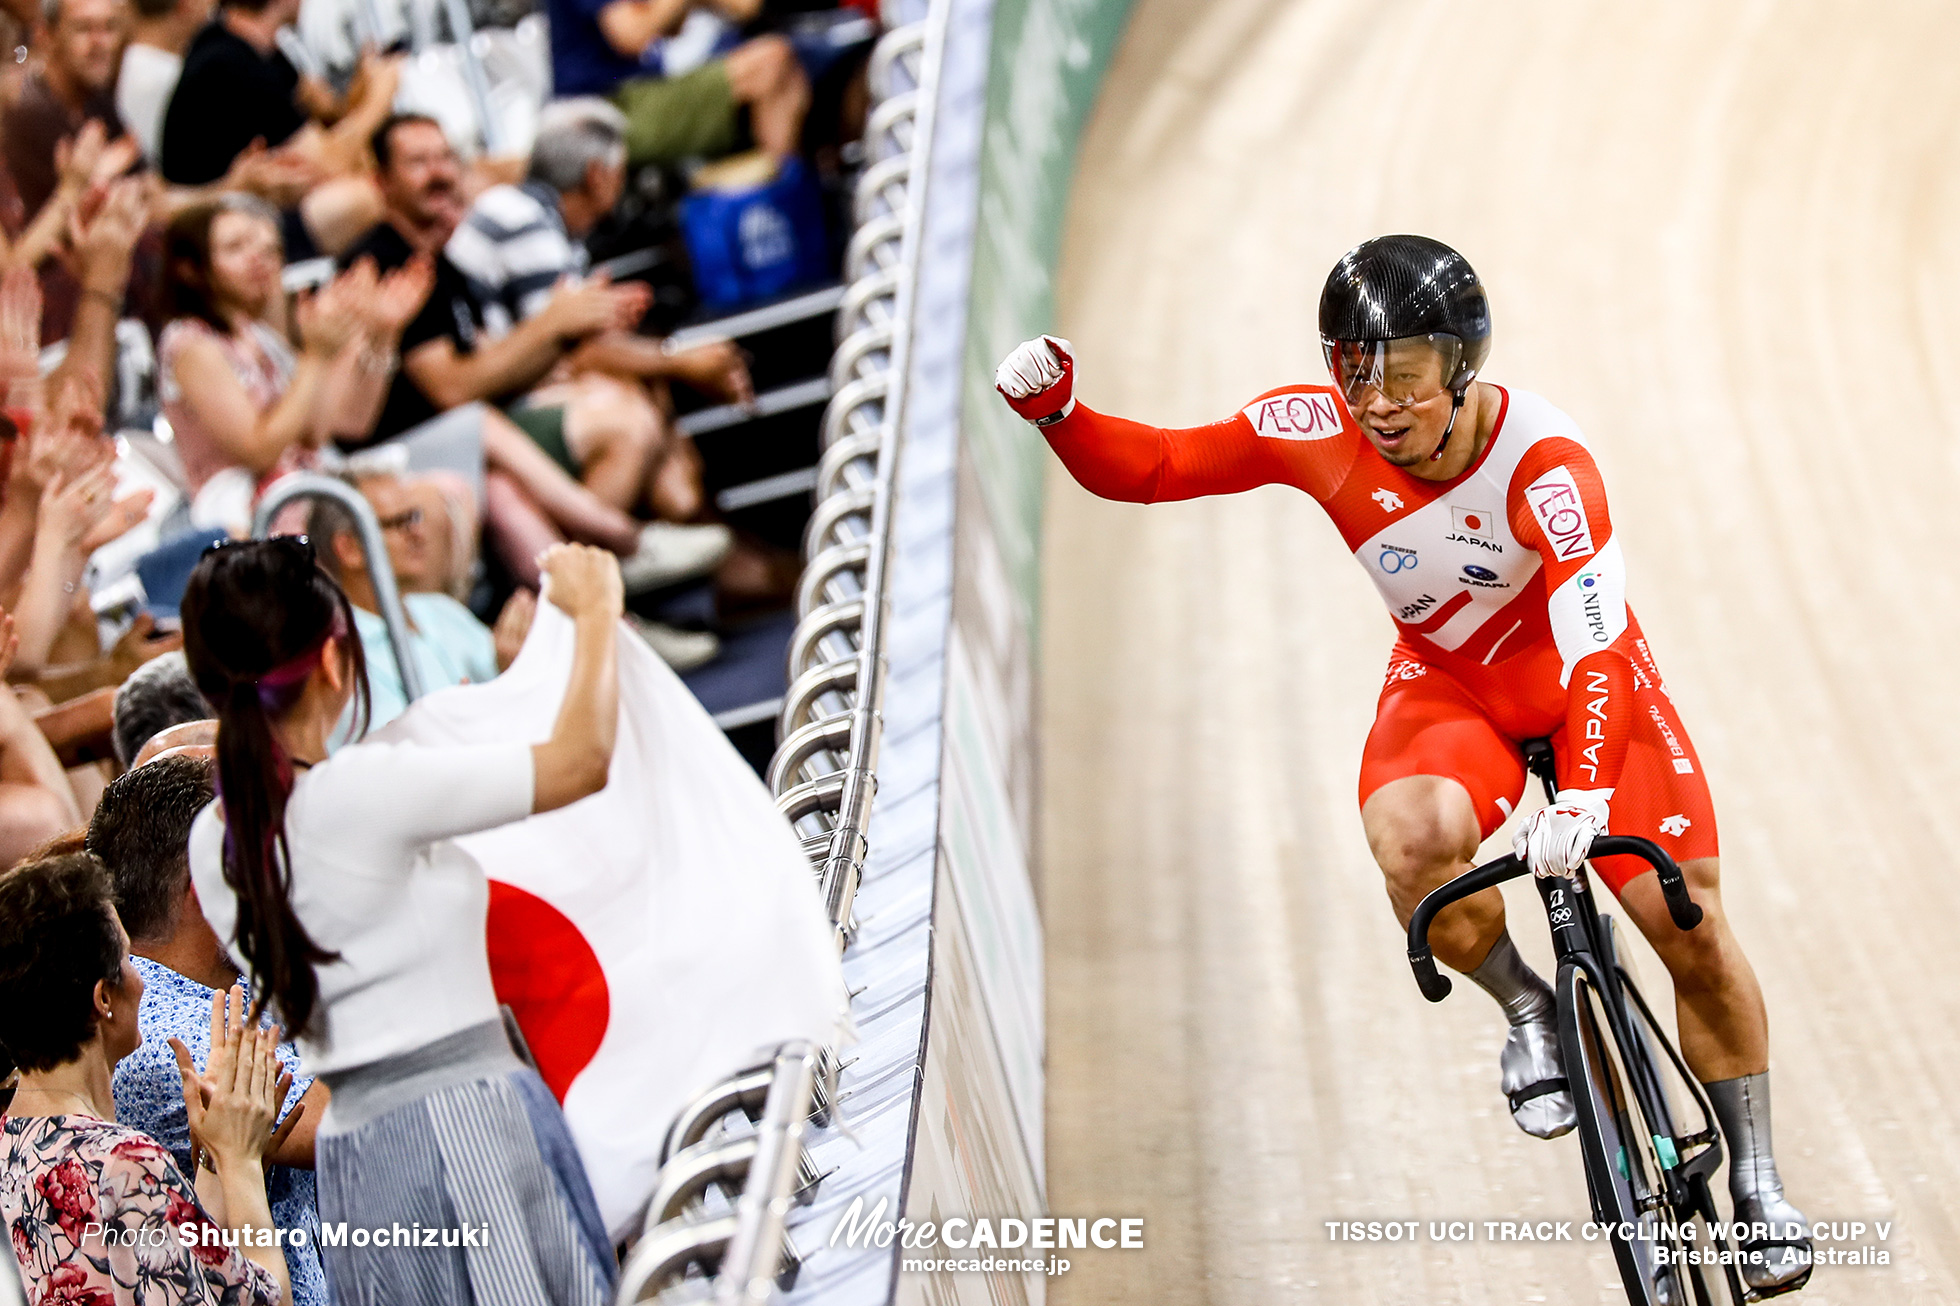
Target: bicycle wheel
x=1708, y=1283
x=1621, y=1173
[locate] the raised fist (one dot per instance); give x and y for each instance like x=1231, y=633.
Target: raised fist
x=1038, y=380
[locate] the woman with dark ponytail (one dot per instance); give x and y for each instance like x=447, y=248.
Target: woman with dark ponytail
x=356, y=918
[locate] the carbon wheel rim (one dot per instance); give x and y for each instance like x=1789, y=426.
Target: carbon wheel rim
x=1619, y=1170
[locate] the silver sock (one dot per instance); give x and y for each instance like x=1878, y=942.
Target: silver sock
x=1507, y=977
x=1742, y=1105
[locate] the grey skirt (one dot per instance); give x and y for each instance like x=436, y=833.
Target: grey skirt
x=447, y=1176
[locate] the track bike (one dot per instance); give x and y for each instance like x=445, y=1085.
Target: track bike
x=1647, y=1177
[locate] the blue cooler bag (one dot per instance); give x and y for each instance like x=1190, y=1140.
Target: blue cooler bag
x=756, y=242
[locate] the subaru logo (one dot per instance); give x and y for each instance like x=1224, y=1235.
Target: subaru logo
x=1474, y=572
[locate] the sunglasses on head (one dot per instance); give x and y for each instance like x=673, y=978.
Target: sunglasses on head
x=298, y=545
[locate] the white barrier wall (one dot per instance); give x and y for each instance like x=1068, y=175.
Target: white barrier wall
x=1013, y=85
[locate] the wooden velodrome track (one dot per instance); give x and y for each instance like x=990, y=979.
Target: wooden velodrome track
x=1726, y=239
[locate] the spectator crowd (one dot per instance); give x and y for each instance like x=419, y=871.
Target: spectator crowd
x=220, y=266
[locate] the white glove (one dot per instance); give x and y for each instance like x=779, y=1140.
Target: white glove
x=1556, y=839
x=1038, y=379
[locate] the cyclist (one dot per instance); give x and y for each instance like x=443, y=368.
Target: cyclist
x=1480, y=515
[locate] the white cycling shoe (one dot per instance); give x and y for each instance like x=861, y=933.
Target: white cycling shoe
x=1785, y=1264
x=1534, y=1080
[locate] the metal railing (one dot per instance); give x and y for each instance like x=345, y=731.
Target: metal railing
x=734, y=1163
x=722, y=1200
x=824, y=772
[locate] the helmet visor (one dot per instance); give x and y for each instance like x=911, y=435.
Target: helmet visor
x=1405, y=371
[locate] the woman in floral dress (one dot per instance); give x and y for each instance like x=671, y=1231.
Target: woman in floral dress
x=99, y=1214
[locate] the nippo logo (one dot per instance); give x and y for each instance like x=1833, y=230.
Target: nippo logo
x=1295, y=417
x=1554, y=500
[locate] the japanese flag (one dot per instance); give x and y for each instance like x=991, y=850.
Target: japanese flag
x=1472, y=521
x=655, y=937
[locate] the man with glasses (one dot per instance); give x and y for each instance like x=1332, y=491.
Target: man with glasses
x=1482, y=519
x=450, y=646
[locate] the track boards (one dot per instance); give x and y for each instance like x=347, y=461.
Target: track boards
x=1690, y=221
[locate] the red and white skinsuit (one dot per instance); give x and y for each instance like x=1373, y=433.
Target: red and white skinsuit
x=1506, y=586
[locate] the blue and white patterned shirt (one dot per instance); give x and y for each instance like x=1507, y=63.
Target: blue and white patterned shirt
x=150, y=1097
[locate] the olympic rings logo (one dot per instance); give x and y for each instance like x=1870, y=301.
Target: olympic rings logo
x=1395, y=560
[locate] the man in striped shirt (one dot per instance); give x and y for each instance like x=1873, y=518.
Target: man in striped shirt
x=519, y=242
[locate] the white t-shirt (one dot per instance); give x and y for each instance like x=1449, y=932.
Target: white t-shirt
x=376, y=879
x=143, y=90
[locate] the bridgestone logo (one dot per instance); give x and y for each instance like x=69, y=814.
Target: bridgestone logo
x=1554, y=500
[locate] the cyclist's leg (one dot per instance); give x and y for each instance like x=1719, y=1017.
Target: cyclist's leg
x=1724, y=1028
x=1437, y=778
x=1718, y=1002
x=1663, y=796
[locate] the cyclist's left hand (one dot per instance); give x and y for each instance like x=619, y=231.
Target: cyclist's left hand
x=1556, y=839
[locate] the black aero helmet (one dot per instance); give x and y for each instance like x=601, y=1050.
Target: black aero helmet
x=1395, y=288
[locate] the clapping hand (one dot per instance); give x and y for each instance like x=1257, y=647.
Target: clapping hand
x=332, y=316
x=103, y=245
x=377, y=77
x=89, y=159
x=72, y=464
x=280, y=177
x=398, y=298
x=232, y=1106
x=82, y=512
x=68, y=440
x=584, y=308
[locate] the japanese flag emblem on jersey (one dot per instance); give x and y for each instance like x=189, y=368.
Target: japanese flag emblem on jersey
x=1473, y=521
x=1554, y=500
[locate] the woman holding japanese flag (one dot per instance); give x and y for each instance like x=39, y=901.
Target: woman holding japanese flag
x=336, y=883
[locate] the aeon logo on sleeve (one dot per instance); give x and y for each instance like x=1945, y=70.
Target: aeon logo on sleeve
x=1554, y=500
x=1295, y=417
